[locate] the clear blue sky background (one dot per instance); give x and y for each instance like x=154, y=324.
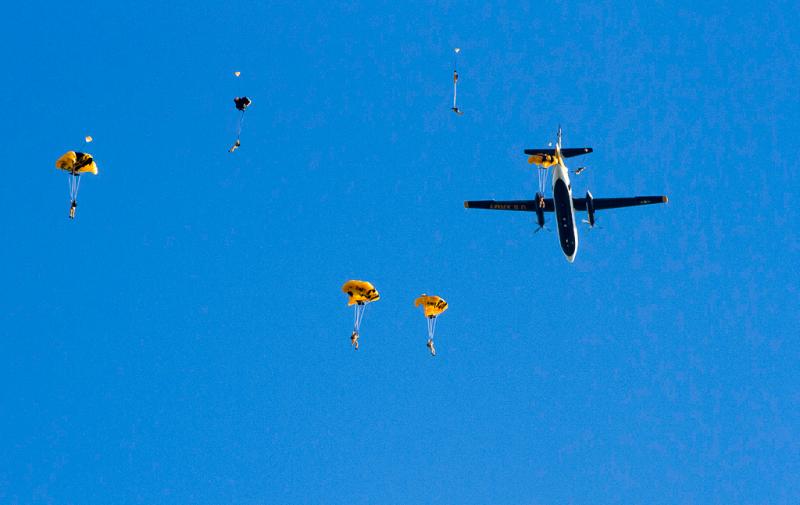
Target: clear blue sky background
x=185, y=339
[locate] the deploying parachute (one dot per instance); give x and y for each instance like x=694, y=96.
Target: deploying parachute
x=455, y=82
x=242, y=103
x=360, y=293
x=433, y=306
x=75, y=164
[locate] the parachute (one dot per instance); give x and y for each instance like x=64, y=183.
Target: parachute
x=242, y=103
x=359, y=293
x=455, y=82
x=76, y=163
x=88, y=138
x=432, y=306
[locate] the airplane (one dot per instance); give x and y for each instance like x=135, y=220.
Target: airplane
x=562, y=203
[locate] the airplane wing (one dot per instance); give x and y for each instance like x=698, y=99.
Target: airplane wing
x=520, y=205
x=615, y=203
x=567, y=152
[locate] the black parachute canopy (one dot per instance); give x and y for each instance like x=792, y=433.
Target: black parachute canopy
x=242, y=102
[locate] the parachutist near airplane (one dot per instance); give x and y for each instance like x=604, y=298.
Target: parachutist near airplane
x=562, y=203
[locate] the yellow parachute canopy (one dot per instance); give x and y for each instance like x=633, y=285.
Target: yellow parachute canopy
x=360, y=292
x=79, y=163
x=543, y=160
x=433, y=305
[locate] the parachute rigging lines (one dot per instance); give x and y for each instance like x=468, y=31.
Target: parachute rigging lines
x=431, y=327
x=241, y=103
x=455, y=82
x=542, y=172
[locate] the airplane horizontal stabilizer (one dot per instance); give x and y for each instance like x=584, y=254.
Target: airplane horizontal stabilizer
x=567, y=152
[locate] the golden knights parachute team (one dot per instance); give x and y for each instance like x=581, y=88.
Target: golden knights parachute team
x=361, y=293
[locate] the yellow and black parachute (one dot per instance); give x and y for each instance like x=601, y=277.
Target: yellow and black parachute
x=359, y=293
x=432, y=306
x=76, y=163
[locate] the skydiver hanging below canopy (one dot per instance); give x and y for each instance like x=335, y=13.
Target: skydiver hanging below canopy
x=359, y=293
x=75, y=164
x=433, y=306
x=455, y=82
x=242, y=103
x=544, y=160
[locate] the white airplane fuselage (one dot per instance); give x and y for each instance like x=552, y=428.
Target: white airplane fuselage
x=564, y=210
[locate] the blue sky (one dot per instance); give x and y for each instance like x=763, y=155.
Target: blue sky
x=185, y=339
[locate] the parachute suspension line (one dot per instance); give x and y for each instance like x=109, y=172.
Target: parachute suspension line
x=543, y=173
x=74, y=185
x=455, y=76
x=431, y=327
x=359, y=315
x=239, y=128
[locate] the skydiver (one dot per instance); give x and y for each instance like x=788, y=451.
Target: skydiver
x=235, y=146
x=354, y=340
x=431, y=347
x=72, y=208
x=579, y=170
x=455, y=108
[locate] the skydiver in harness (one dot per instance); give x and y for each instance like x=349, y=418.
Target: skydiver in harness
x=431, y=347
x=354, y=340
x=74, y=204
x=455, y=93
x=75, y=173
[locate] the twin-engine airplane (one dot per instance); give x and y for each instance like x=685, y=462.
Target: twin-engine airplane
x=562, y=202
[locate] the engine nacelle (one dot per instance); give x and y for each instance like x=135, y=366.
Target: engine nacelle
x=590, y=208
x=540, y=209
